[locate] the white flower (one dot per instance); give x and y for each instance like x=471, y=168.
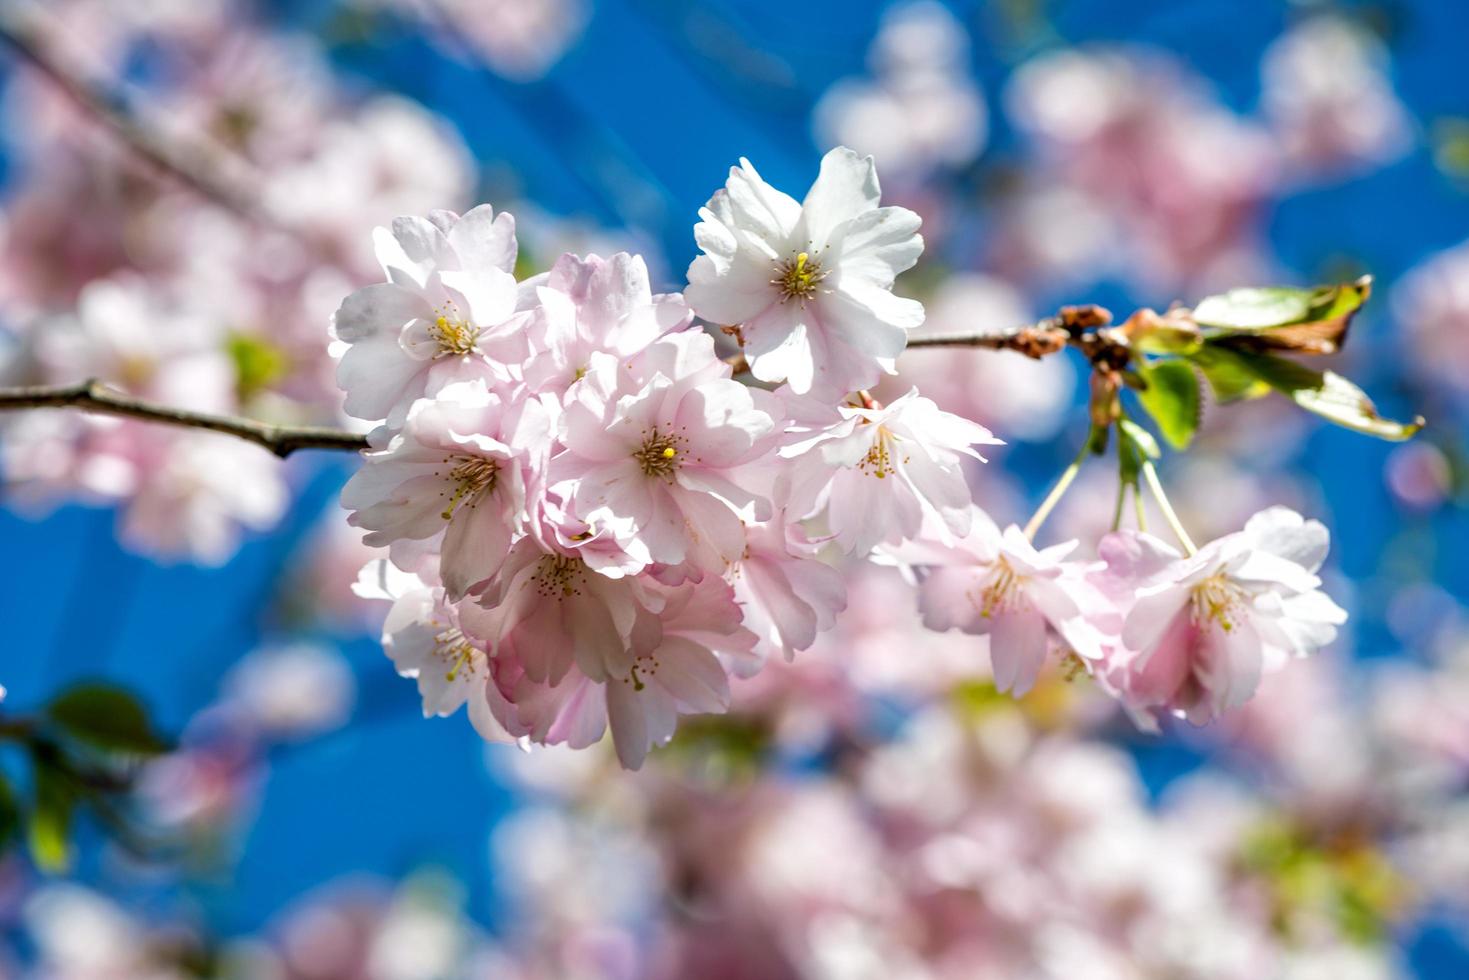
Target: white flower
x=999, y=585
x=1203, y=629
x=788, y=596
x=655, y=455
x=460, y=466
x=446, y=313
x=809, y=284
x=441, y=644
x=879, y=470
x=594, y=304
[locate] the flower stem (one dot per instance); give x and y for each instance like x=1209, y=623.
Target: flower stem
x=1151, y=475
x=1117, y=510
x=1057, y=492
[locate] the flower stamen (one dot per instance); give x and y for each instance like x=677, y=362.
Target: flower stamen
x=454, y=648
x=798, y=278
x=658, y=455
x=474, y=476
x=454, y=335
x=1216, y=599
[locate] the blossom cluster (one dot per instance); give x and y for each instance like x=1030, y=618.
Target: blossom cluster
x=592, y=524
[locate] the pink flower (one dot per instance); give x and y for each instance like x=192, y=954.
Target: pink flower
x=999, y=585
x=555, y=612
x=594, y=304
x=809, y=284
x=460, y=467
x=679, y=665
x=440, y=644
x=788, y=595
x=446, y=313
x=685, y=673
x=655, y=454
x=1202, y=629
x=880, y=470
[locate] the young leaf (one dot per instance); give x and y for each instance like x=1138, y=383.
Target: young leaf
x=1172, y=399
x=49, y=829
x=1254, y=308
x=1339, y=400
x=1228, y=373
x=1306, y=321
x=10, y=815
x=106, y=717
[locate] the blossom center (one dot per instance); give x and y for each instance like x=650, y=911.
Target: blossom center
x=799, y=277
x=559, y=576
x=1218, y=600
x=1003, y=592
x=881, y=456
x=454, y=335
x=658, y=455
x=473, y=476
x=453, y=648
x=642, y=670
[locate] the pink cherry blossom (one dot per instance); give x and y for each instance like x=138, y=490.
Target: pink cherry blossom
x=460, y=467
x=656, y=455
x=553, y=612
x=594, y=304
x=998, y=584
x=440, y=644
x=446, y=312
x=809, y=284
x=879, y=470
x=1202, y=629
x=679, y=665
x=788, y=595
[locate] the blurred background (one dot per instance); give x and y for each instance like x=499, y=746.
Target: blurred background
x=189, y=189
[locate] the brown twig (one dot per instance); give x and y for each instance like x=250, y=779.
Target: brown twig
x=94, y=396
x=1072, y=328
x=1035, y=340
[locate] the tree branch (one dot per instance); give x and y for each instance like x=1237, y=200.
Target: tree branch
x=194, y=164
x=94, y=396
x=1037, y=340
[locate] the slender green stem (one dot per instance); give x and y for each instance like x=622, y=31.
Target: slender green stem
x=1151, y=475
x=1057, y=492
x=1137, y=506
x=1117, y=509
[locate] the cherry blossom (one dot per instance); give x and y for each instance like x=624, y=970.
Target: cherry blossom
x=808, y=284
x=657, y=457
x=788, y=595
x=1201, y=630
x=879, y=470
x=590, y=305
x=998, y=584
x=440, y=644
x=446, y=312
x=679, y=665
x=460, y=467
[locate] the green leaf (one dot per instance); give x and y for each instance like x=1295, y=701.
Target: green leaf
x=1307, y=321
x=1324, y=393
x=1254, y=308
x=1172, y=399
x=10, y=815
x=1229, y=373
x=258, y=363
x=1339, y=400
x=49, y=828
x=106, y=717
